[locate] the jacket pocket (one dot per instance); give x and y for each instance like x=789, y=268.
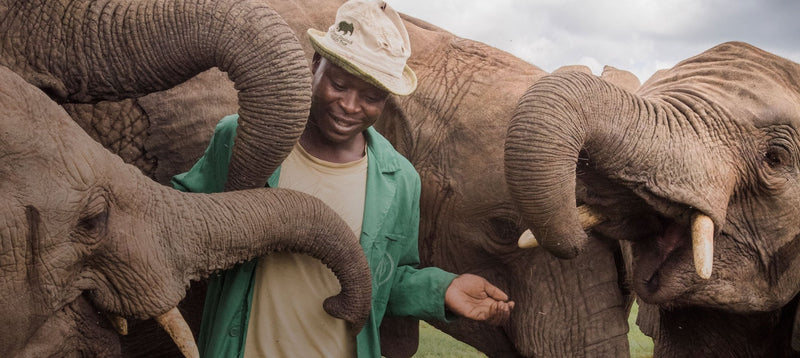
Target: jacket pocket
x=386, y=255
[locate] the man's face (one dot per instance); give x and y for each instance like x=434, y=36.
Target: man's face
x=342, y=105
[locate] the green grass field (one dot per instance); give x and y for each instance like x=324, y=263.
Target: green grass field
x=436, y=344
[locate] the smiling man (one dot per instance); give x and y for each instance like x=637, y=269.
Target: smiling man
x=272, y=307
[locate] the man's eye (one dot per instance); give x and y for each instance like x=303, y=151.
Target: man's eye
x=374, y=97
x=337, y=86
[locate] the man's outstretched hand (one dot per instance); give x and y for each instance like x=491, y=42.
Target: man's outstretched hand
x=473, y=297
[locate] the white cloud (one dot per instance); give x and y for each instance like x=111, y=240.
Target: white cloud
x=640, y=36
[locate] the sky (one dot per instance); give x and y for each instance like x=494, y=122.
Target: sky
x=641, y=36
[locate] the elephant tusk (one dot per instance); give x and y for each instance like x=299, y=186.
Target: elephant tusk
x=703, y=244
x=527, y=240
x=119, y=323
x=178, y=329
x=586, y=215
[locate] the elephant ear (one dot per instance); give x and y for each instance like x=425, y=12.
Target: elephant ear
x=648, y=319
x=399, y=336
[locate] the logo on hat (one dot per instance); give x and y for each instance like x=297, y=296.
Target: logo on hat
x=345, y=27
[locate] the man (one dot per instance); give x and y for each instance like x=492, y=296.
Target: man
x=272, y=307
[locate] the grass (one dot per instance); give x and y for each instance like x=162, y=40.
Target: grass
x=641, y=345
x=434, y=343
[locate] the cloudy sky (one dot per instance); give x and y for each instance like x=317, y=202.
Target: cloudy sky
x=640, y=36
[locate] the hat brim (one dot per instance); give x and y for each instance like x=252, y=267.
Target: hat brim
x=400, y=86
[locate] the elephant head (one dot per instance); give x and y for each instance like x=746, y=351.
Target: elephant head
x=85, y=235
x=698, y=171
x=92, y=50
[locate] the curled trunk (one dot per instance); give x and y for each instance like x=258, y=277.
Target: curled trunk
x=198, y=234
x=113, y=49
x=646, y=145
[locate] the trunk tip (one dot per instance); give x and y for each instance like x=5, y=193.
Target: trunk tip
x=566, y=248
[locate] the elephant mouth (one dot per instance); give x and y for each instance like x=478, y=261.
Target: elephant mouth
x=77, y=329
x=671, y=259
x=85, y=329
x=662, y=261
x=671, y=241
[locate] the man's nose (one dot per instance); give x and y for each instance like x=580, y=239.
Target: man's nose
x=350, y=102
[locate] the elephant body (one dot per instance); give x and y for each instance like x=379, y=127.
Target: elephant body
x=713, y=139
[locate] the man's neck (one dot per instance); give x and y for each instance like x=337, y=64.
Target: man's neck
x=344, y=152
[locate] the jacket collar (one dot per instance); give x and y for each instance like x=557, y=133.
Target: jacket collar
x=381, y=186
x=377, y=147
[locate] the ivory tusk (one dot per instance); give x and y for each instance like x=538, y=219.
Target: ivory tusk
x=120, y=324
x=178, y=329
x=703, y=244
x=527, y=240
x=588, y=218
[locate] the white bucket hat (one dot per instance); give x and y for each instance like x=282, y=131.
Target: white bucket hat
x=370, y=41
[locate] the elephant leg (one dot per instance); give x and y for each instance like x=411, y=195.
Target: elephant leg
x=399, y=336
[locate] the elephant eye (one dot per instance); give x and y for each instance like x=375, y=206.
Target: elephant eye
x=505, y=228
x=93, y=222
x=776, y=157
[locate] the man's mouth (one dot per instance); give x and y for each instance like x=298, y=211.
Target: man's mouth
x=344, y=122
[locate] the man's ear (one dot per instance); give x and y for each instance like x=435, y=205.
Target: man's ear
x=315, y=62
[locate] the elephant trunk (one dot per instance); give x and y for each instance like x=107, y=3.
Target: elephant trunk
x=229, y=228
x=113, y=49
x=648, y=146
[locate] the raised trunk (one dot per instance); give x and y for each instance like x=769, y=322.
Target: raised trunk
x=648, y=146
x=100, y=50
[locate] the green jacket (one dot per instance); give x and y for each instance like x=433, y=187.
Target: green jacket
x=388, y=237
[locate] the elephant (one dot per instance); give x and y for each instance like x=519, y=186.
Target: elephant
x=87, y=238
x=452, y=129
x=695, y=173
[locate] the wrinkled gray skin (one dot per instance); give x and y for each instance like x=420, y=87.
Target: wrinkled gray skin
x=113, y=49
x=93, y=58
x=85, y=235
x=716, y=134
x=452, y=128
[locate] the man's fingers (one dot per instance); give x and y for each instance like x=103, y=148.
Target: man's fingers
x=495, y=292
x=500, y=312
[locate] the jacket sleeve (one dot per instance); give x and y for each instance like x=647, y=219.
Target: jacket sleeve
x=417, y=292
x=209, y=173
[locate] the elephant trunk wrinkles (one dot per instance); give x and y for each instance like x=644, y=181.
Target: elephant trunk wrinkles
x=229, y=228
x=113, y=49
x=633, y=141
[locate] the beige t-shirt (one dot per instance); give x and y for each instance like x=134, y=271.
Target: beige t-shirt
x=286, y=317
